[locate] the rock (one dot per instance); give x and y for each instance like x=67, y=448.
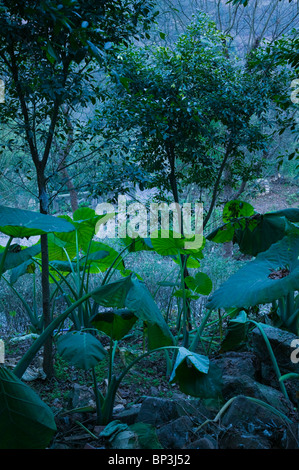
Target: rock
x=82, y=396
x=158, y=411
x=206, y=442
x=281, y=343
x=118, y=408
x=250, y=425
x=128, y=415
x=176, y=434
x=59, y=446
x=233, y=439
x=244, y=385
x=246, y=413
x=239, y=363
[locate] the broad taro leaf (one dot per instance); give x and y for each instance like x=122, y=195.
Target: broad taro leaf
x=57, y=249
x=81, y=349
x=136, y=436
x=17, y=257
x=102, y=264
x=167, y=242
x=170, y=243
x=236, y=209
x=85, y=221
x=67, y=267
x=236, y=334
x=272, y=275
x=196, y=376
x=26, y=422
x=19, y=223
x=113, y=294
x=116, y=323
x=200, y=283
x=256, y=233
x=260, y=233
x=28, y=267
x=142, y=304
x=132, y=294
x=137, y=244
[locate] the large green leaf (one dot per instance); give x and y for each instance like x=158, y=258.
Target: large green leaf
x=137, y=244
x=235, y=209
x=16, y=258
x=166, y=242
x=236, y=333
x=255, y=233
x=196, y=376
x=170, y=243
x=85, y=221
x=24, y=268
x=105, y=262
x=132, y=294
x=116, y=323
x=260, y=233
x=67, y=267
x=140, y=301
x=81, y=349
x=200, y=283
x=26, y=422
x=58, y=248
x=19, y=223
x=272, y=275
x=113, y=294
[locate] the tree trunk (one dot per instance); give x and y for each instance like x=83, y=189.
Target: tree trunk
x=48, y=365
x=62, y=160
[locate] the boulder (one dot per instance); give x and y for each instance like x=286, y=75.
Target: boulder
x=82, y=396
x=239, y=363
x=206, y=442
x=249, y=425
x=158, y=411
x=176, y=434
x=244, y=385
x=281, y=342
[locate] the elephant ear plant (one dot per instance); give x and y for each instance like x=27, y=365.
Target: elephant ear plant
x=25, y=421
x=19, y=223
x=273, y=276
x=129, y=301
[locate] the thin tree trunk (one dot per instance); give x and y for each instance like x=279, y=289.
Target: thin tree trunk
x=48, y=365
x=62, y=159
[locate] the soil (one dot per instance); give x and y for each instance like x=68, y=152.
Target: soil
x=147, y=379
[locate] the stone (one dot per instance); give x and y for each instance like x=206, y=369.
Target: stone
x=233, y=439
x=244, y=385
x=206, y=442
x=235, y=363
x=248, y=414
x=82, y=396
x=128, y=415
x=281, y=343
x=176, y=434
x=157, y=411
x=249, y=425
